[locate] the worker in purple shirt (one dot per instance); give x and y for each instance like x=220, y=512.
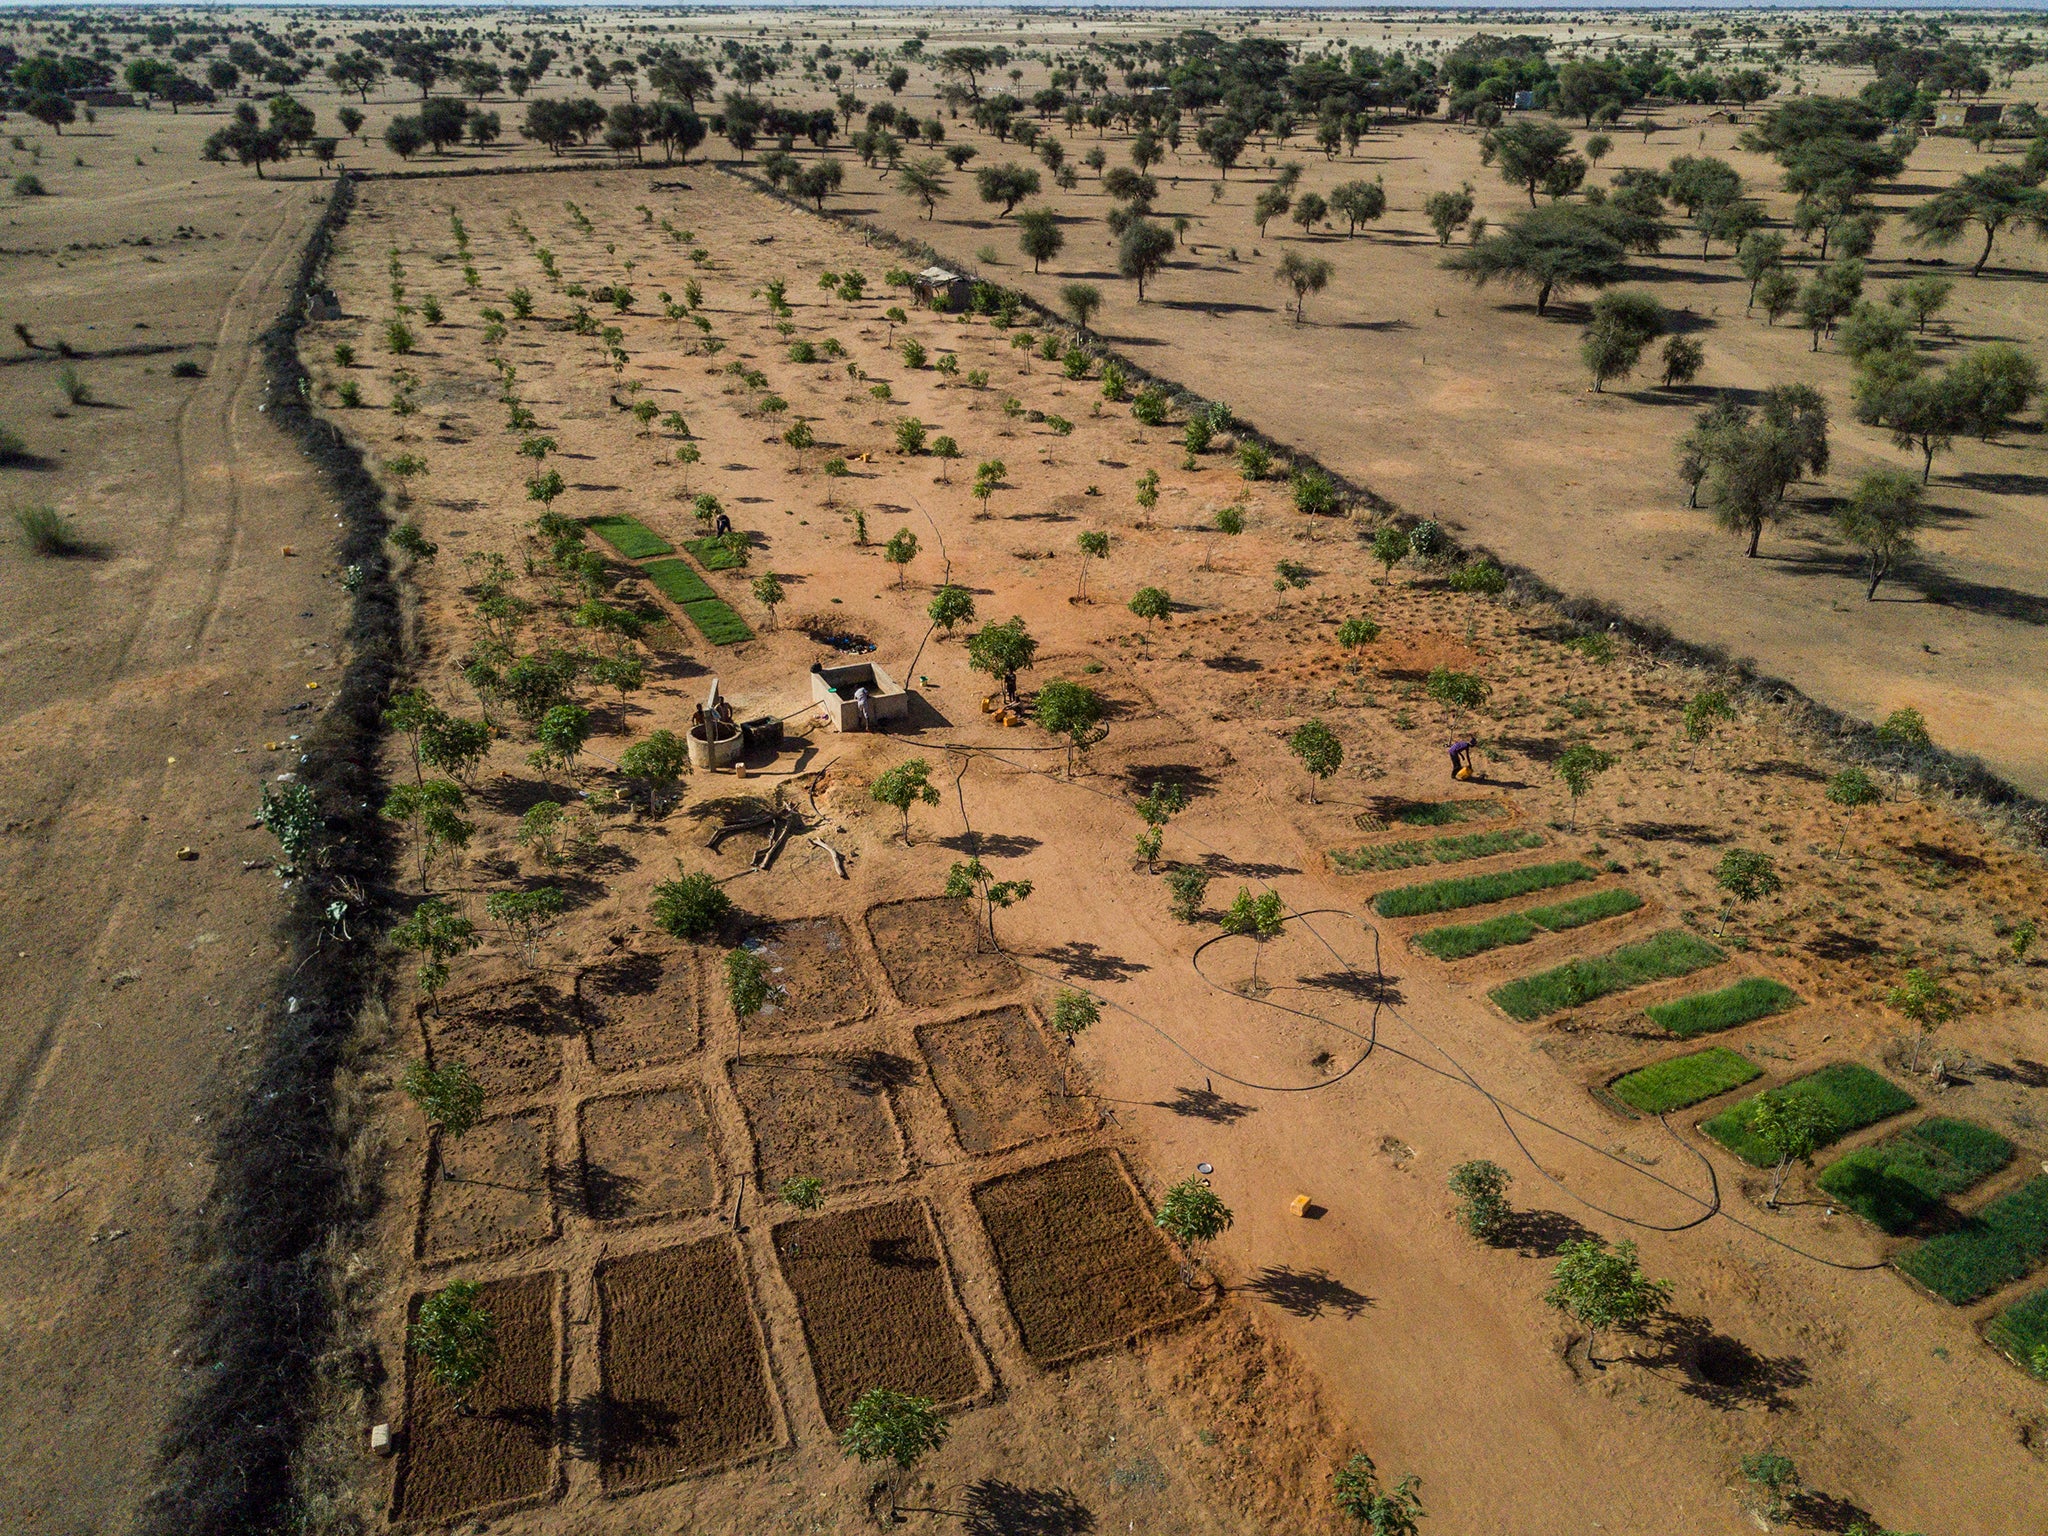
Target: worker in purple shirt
x=1461, y=758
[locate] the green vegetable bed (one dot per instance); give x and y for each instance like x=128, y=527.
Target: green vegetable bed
x=714, y=555
x=1998, y=1245
x=629, y=536
x=1673, y=952
x=1706, y=1013
x=1462, y=940
x=1854, y=1096
x=1683, y=1080
x=1437, y=850
x=679, y=582
x=1903, y=1179
x=1477, y=890
x=2021, y=1330
x=717, y=622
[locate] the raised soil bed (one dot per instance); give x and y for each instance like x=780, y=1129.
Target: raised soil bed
x=1684, y=1080
x=1706, y=1013
x=872, y=1289
x=2000, y=1244
x=1082, y=1264
x=823, y=1117
x=489, y=1189
x=648, y=1154
x=1478, y=890
x=813, y=961
x=685, y=1384
x=1853, y=1095
x=640, y=1010
x=1901, y=1181
x=1412, y=853
x=937, y=951
x=2021, y=1331
x=1460, y=941
x=454, y=1463
x=1001, y=1081
x=510, y=1036
x=1660, y=957
x=629, y=536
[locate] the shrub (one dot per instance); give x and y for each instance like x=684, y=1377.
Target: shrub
x=1902, y=1180
x=43, y=531
x=1481, y=1188
x=1682, y=1080
x=1853, y=1096
x=28, y=184
x=1187, y=884
x=185, y=368
x=1479, y=576
x=910, y=435
x=73, y=387
x=1477, y=890
x=691, y=906
x=1313, y=494
x=1998, y=1245
x=398, y=337
x=1706, y=1013
x=913, y=353
x=1578, y=982
x=1149, y=408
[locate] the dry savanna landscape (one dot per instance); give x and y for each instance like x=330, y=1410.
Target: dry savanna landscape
x=1024, y=771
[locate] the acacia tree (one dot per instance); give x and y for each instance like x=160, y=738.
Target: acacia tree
x=1554, y=250
x=1304, y=275
x=1039, y=235
x=1080, y=300
x=1880, y=517
x=924, y=180
x=1142, y=252
x=1604, y=1287
x=1994, y=199
x=1321, y=753
x=903, y=786
x=1528, y=153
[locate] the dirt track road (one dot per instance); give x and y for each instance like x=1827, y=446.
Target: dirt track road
x=141, y=688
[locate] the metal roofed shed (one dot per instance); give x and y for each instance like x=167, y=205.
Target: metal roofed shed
x=833, y=690
x=933, y=281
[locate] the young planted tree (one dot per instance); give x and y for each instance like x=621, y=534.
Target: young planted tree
x=449, y=1096
x=1481, y=1188
x=526, y=913
x=1745, y=878
x=903, y=786
x=1080, y=301
x=562, y=734
x=1094, y=545
x=1578, y=765
x=900, y=551
x=457, y=1337
x=1706, y=710
x=1880, y=516
x=1789, y=1126
x=1039, y=235
x=1186, y=885
x=950, y=605
x=1395, y=1511
x=1921, y=997
x=657, y=762
x=971, y=878
x=1143, y=251
x=433, y=810
x=1152, y=604
x=1001, y=651
x=1851, y=789
x=1390, y=548
x=1604, y=1287
x=892, y=1426
x=1258, y=918
x=1073, y=711
x=437, y=933
x=1162, y=802
x=1458, y=693
x=1321, y=753
x=749, y=983
x=1776, y=1479
x=691, y=906
x=1192, y=1214
x=805, y=1192
x=1073, y=1012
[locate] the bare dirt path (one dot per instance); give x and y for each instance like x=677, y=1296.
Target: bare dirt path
x=135, y=975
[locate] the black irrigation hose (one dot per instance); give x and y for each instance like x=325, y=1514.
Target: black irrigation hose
x=1711, y=1205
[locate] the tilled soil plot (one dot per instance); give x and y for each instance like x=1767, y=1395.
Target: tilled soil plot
x=640, y=1010
x=936, y=951
x=647, y=1154
x=872, y=1289
x=684, y=1381
x=825, y=1117
x=812, y=961
x=457, y=1463
x=1001, y=1082
x=509, y=1036
x=1082, y=1266
x=487, y=1190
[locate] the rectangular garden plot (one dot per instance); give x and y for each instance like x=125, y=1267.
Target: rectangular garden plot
x=824, y=1117
x=457, y=1463
x=872, y=1288
x=685, y=1384
x=1691, y=1079
x=1393, y=811
x=508, y=1036
x=1995, y=1247
x=678, y=581
x=936, y=951
x=1673, y=952
x=714, y=554
x=1706, y=1013
x=1002, y=1084
x=717, y=622
x=1904, y=1179
x=1460, y=941
x=487, y=1190
x=648, y=1154
x=639, y=1010
x=1409, y=853
x=1854, y=1096
x=1082, y=1264
x=2021, y=1331
x=629, y=536
x=812, y=962
x=1477, y=890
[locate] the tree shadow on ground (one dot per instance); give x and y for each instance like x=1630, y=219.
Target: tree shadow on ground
x=1812, y=1510
x=1306, y=1292
x=1672, y=832
x=1366, y=986
x=996, y=1507
x=1722, y=1371
x=1090, y=962
x=1540, y=1234
x=1204, y=1104
x=997, y=845
x=1223, y=864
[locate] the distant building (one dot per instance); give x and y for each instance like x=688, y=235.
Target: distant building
x=1957, y=114
x=933, y=281
x=1525, y=101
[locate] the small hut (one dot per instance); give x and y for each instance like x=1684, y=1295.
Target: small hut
x=929, y=284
